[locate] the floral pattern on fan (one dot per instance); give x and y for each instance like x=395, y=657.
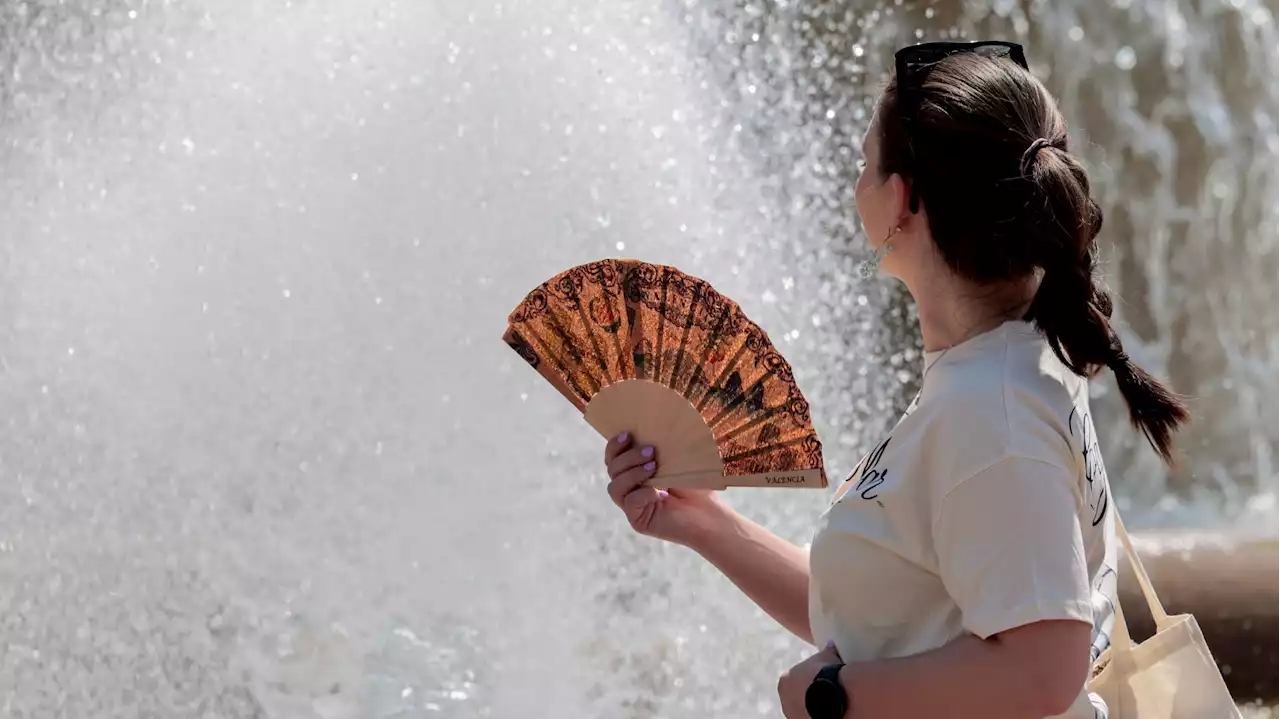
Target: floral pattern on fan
x=606, y=321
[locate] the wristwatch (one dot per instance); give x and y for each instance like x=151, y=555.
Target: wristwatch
x=825, y=698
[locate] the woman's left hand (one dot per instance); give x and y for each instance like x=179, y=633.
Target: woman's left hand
x=794, y=683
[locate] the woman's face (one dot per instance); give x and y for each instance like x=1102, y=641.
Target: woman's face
x=881, y=201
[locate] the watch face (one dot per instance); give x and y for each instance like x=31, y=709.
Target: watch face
x=825, y=700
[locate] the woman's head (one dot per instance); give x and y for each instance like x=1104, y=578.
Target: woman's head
x=968, y=173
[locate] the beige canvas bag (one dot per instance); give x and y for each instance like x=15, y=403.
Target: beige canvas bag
x=1172, y=675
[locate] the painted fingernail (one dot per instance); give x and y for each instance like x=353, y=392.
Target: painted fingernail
x=663, y=494
x=646, y=452
x=650, y=466
x=622, y=437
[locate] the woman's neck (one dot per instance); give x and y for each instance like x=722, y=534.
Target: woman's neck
x=947, y=327
x=951, y=311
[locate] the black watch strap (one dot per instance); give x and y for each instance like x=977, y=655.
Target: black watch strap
x=826, y=698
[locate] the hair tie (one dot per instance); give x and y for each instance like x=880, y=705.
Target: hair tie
x=1029, y=156
x=1118, y=358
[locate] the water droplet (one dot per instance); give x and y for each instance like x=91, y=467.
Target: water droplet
x=1126, y=58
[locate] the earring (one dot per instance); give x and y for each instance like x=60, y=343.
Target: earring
x=867, y=268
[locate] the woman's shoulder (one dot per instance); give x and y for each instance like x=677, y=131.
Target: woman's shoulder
x=1016, y=401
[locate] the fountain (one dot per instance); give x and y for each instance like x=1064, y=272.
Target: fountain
x=264, y=453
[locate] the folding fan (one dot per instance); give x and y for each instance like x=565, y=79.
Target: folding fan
x=649, y=350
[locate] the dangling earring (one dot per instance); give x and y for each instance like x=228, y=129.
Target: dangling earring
x=867, y=268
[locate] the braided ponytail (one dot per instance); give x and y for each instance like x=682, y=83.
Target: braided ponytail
x=1072, y=310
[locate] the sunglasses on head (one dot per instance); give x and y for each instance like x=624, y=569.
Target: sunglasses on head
x=914, y=62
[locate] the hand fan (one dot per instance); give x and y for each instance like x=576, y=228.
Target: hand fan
x=649, y=350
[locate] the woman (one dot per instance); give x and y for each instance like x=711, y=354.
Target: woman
x=967, y=566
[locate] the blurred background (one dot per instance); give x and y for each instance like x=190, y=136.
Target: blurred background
x=265, y=455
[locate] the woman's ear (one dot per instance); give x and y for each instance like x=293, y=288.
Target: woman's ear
x=898, y=190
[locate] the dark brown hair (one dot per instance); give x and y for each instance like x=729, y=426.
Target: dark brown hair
x=986, y=153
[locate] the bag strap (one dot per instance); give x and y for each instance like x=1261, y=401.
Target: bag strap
x=1144, y=581
x=1120, y=637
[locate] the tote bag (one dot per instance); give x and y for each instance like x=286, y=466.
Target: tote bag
x=1172, y=675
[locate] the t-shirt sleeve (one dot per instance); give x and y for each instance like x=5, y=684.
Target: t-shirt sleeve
x=1009, y=547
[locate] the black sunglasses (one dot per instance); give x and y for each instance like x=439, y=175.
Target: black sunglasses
x=915, y=61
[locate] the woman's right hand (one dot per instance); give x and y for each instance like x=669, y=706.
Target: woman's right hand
x=683, y=516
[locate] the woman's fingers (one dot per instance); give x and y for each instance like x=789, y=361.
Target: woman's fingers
x=616, y=446
x=626, y=482
x=630, y=459
x=629, y=468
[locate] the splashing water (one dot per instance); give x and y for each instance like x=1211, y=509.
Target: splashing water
x=264, y=454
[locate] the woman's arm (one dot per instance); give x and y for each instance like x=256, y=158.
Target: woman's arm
x=1031, y=672
x=1011, y=555
x=771, y=571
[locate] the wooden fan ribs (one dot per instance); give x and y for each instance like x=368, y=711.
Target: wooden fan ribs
x=582, y=289
x=687, y=323
x=698, y=383
x=613, y=321
x=535, y=347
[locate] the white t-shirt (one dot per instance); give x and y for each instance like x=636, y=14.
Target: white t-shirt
x=986, y=508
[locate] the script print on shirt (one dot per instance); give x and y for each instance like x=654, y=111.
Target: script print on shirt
x=1105, y=589
x=867, y=477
